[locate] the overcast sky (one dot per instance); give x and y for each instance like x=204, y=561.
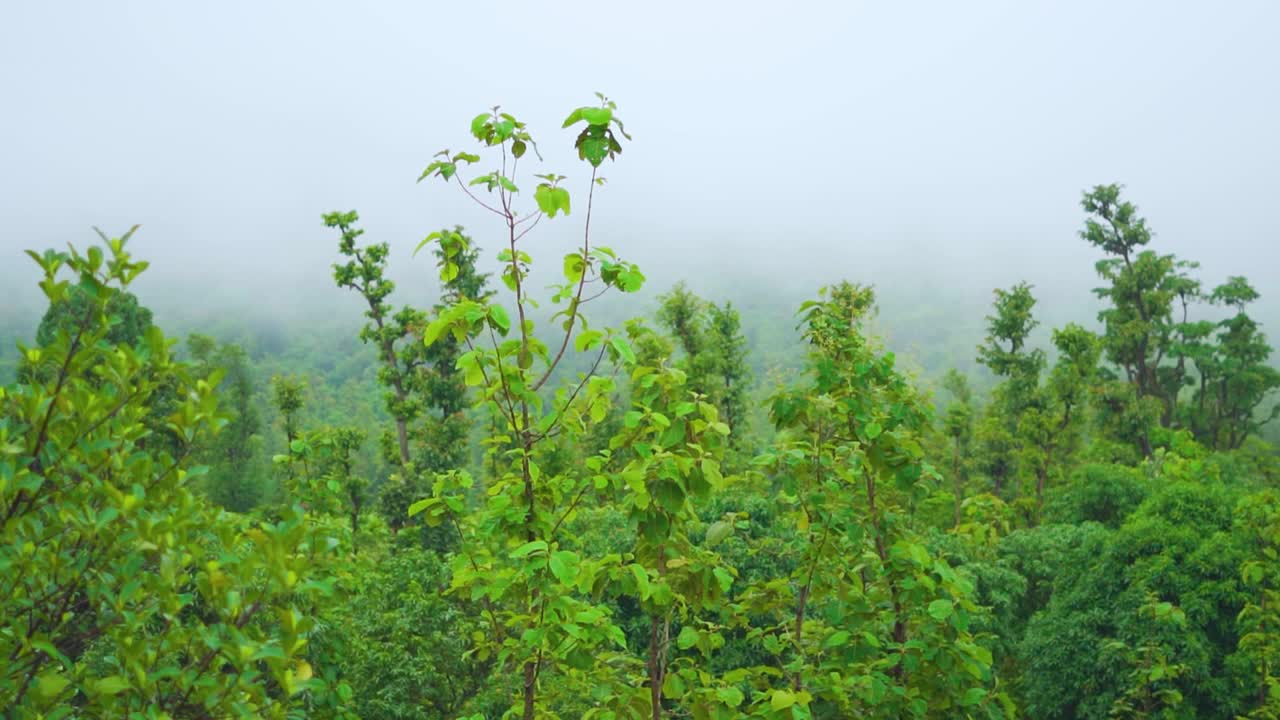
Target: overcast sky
x=823, y=139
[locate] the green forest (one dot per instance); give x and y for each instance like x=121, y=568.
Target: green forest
x=530, y=499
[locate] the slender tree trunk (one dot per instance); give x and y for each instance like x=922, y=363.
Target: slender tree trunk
x=388, y=351
x=1041, y=476
x=530, y=667
x=402, y=425
x=655, y=673
x=402, y=435
x=530, y=681
x=899, y=626
x=659, y=631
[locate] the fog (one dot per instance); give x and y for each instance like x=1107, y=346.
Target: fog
x=936, y=149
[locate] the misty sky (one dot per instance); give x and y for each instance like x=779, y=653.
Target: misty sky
x=942, y=145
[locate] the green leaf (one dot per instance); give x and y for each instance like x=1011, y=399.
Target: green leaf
x=561, y=198
x=594, y=150
x=941, y=609
x=469, y=364
x=530, y=548
x=836, y=639
x=574, y=267
x=724, y=578
x=564, y=565
x=730, y=696
x=973, y=696
x=642, y=581
x=478, y=125
x=589, y=617
x=421, y=505
x=688, y=638
x=630, y=280
x=52, y=651
x=434, y=329
x=517, y=148
x=425, y=241
x=50, y=685
x=574, y=117
x=872, y=430
x=717, y=532
x=782, y=699
x=499, y=320
x=711, y=470
x=112, y=685
x=673, y=686
x=919, y=554
x=597, y=116
x=544, y=195
x=587, y=339
x=623, y=347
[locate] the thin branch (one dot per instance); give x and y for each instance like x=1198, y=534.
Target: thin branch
x=593, y=297
x=488, y=602
x=477, y=200
x=536, y=219
x=627, y=443
x=572, y=396
x=502, y=378
x=582, y=281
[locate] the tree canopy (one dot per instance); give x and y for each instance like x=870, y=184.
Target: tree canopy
x=510, y=504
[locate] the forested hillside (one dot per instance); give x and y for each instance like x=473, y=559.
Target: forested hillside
x=568, y=488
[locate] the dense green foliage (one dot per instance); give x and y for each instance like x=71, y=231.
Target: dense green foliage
x=495, y=507
x=125, y=591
